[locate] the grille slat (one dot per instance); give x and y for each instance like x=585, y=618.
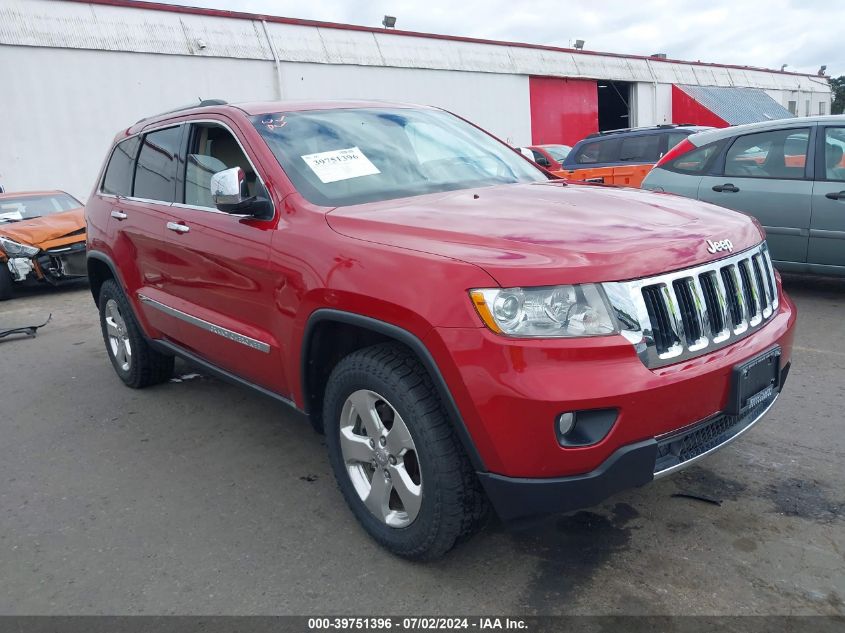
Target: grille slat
x=749, y=290
x=688, y=310
x=770, y=279
x=664, y=336
x=715, y=314
x=733, y=296
x=762, y=288
x=692, y=312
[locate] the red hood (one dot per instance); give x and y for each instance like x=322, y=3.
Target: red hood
x=547, y=233
x=37, y=231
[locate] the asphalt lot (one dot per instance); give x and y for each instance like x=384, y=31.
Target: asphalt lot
x=199, y=497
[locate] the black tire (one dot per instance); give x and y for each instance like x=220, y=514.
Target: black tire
x=146, y=366
x=453, y=505
x=6, y=281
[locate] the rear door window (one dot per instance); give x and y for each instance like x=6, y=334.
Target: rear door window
x=673, y=138
x=696, y=161
x=118, y=178
x=834, y=154
x=780, y=154
x=644, y=148
x=540, y=159
x=155, y=174
x=596, y=152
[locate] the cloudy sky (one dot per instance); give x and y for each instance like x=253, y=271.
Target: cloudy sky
x=802, y=33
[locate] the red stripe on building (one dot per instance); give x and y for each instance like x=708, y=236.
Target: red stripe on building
x=562, y=110
x=685, y=109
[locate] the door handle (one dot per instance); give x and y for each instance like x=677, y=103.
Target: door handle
x=726, y=187
x=833, y=195
x=178, y=228
x=118, y=215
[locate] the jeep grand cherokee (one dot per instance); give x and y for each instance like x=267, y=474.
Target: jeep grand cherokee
x=465, y=330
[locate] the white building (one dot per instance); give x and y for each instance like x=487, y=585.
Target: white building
x=75, y=72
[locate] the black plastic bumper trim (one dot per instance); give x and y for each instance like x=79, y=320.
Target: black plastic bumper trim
x=518, y=498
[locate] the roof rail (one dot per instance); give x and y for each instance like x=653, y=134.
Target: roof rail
x=202, y=103
x=662, y=126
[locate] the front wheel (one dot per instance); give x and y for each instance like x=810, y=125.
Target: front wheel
x=395, y=455
x=135, y=361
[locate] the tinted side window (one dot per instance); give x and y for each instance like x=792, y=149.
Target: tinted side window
x=540, y=159
x=643, y=148
x=118, y=178
x=596, y=152
x=673, y=138
x=778, y=154
x=155, y=175
x=696, y=161
x=834, y=153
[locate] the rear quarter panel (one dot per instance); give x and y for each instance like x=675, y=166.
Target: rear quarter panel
x=665, y=181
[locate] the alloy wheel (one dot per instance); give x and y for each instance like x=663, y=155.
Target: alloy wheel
x=381, y=459
x=121, y=347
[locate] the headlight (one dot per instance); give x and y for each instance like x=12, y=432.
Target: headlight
x=14, y=249
x=547, y=312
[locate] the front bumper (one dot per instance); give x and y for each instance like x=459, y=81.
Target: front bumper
x=518, y=499
x=509, y=393
x=52, y=265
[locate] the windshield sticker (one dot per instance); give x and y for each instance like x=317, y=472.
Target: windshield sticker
x=341, y=164
x=272, y=123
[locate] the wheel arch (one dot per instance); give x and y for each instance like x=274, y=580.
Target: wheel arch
x=331, y=334
x=100, y=269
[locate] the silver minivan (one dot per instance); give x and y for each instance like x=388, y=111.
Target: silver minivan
x=789, y=174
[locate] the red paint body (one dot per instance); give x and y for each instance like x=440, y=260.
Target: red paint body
x=410, y=263
x=562, y=110
x=685, y=109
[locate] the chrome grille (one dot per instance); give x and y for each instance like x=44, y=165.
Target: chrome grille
x=680, y=315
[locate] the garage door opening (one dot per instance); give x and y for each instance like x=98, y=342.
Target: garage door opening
x=614, y=105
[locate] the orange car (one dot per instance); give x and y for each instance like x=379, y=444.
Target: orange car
x=622, y=157
x=42, y=237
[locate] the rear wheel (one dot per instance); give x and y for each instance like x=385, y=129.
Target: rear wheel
x=395, y=455
x=6, y=281
x=135, y=361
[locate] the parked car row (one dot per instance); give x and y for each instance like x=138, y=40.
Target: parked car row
x=788, y=174
x=622, y=157
x=467, y=329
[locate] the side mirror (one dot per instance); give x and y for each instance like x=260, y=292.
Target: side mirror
x=226, y=187
x=227, y=191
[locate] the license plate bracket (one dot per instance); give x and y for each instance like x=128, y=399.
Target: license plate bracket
x=754, y=381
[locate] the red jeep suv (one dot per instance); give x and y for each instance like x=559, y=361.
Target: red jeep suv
x=466, y=330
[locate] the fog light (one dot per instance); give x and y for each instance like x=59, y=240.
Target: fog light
x=565, y=423
x=585, y=427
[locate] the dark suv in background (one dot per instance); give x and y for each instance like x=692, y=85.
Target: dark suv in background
x=623, y=157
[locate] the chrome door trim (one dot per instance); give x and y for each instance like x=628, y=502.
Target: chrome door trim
x=226, y=333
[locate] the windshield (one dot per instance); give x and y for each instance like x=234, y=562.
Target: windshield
x=351, y=156
x=558, y=152
x=28, y=207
